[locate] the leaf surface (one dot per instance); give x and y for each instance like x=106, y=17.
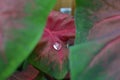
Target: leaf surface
x=30, y=73
x=52, y=50
x=95, y=55
x=21, y=26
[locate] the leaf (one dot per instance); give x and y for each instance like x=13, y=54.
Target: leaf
x=105, y=65
x=83, y=24
x=52, y=50
x=22, y=23
x=28, y=74
x=90, y=12
x=41, y=77
x=105, y=28
x=80, y=56
x=97, y=60
x=95, y=55
x=82, y=19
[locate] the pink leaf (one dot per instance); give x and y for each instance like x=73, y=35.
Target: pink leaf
x=109, y=55
x=58, y=34
x=29, y=74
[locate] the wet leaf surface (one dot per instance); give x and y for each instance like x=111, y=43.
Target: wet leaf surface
x=53, y=48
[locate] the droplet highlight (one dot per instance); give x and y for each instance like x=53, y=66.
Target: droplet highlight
x=57, y=46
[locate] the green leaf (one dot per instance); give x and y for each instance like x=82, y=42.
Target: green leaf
x=94, y=59
x=84, y=3
x=80, y=57
x=83, y=19
x=23, y=34
x=85, y=52
x=47, y=68
x=41, y=76
x=83, y=24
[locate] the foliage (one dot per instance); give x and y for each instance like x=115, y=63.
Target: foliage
x=22, y=23
x=52, y=50
x=35, y=46
x=97, y=34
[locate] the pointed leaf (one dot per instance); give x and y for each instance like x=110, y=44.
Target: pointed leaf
x=52, y=50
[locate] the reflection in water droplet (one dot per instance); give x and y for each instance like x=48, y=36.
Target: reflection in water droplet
x=57, y=46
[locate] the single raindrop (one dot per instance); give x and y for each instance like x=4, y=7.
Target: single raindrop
x=67, y=45
x=57, y=46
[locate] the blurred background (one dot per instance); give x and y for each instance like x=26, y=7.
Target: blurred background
x=65, y=6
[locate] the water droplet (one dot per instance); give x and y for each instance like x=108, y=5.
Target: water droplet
x=57, y=46
x=67, y=45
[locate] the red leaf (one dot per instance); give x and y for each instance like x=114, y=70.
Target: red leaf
x=109, y=26
x=29, y=74
x=109, y=55
x=58, y=34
